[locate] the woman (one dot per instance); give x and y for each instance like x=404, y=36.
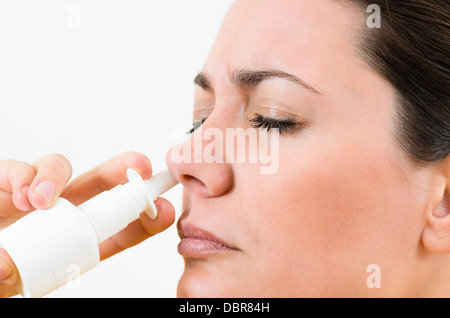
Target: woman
x=359, y=204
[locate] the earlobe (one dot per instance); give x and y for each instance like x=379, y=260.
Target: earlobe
x=436, y=234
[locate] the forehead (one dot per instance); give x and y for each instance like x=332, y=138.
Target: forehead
x=291, y=35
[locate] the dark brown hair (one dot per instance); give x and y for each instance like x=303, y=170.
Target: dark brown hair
x=411, y=50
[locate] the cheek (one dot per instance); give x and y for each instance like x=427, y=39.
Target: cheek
x=325, y=217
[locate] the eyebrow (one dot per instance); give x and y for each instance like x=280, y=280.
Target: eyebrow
x=251, y=79
x=202, y=80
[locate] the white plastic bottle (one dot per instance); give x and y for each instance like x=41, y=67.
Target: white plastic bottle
x=46, y=245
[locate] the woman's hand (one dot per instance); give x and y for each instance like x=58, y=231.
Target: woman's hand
x=24, y=188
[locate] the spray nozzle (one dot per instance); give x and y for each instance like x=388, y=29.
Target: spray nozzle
x=154, y=187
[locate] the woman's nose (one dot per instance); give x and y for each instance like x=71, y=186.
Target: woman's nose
x=200, y=174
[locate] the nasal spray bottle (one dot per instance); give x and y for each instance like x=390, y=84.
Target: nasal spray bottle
x=45, y=245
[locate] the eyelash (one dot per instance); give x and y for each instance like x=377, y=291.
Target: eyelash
x=283, y=125
x=259, y=121
x=196, y=125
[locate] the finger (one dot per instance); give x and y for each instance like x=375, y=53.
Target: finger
x=15, y=178
x=52, y=174
x=8, y=275
x=106, y=176
x=140, y=229
x=164, y=219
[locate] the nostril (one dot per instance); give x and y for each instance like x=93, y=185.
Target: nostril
x=191, y=181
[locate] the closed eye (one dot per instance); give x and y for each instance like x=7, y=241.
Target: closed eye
x=283, y=125
x=196, y=124
x=260, y=121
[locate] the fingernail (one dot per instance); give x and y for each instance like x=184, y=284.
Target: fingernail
x=5, y=271
x=46, y=189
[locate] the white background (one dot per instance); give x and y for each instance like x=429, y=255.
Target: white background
x=92, y=79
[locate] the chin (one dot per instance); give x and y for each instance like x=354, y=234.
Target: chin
x=193, y=284
x=202, y=281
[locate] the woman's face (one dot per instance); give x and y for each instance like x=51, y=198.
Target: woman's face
x=343, y=197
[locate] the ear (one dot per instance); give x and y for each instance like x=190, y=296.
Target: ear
x=436, y=234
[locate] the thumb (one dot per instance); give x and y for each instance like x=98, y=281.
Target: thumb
x=9, y=276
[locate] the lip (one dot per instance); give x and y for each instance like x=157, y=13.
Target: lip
x=196, y=242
